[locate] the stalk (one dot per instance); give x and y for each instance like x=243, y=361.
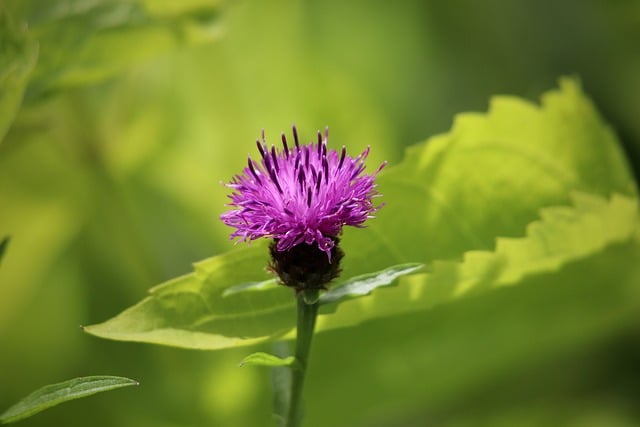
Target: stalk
x=307, y=313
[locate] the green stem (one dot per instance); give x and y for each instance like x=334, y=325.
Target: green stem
x=307, y=314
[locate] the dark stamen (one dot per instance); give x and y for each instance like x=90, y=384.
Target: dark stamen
x=295, y=137
x=260, y=148
x=318, y=182
x=319, y=144
x=314, y=174
x=344, y=152
x=274, y=178
x=253, y=171
x=357, y=172
x=325, y=166
x=284, y=144
x=267, y=162
x=308, y=197
x=306, y=158
x=274, y=157
x=301, y=179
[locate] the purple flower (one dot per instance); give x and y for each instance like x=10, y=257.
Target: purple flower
x=305, y=193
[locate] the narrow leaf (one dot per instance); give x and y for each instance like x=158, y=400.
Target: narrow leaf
x=366, y=283
x=54, y=394
x=266, y=359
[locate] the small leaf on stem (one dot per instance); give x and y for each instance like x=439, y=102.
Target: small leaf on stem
x=366, y=283
x=266, y=359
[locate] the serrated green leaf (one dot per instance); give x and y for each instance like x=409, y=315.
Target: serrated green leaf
x=192, y=312
x=451, y=199
x=18, y=53
x=562, y=235
x=489, y=177
x=55, y=394
x=266, y=359
x=365, y=284
x=579, y=311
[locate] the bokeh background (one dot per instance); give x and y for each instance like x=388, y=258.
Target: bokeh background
x=133, y=112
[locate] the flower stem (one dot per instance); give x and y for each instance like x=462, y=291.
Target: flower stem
x=307, y=313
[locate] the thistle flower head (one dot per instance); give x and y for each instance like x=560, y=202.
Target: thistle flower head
x=301, y=194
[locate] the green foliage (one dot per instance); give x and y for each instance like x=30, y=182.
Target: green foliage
x=522, y=351
x=456, y=193
x=562, y=235
x=208, y=310
x=55, y=394
x=266, y=359
x=18, y=53
x=107, y=188
x=84, y=42
x=489, y=177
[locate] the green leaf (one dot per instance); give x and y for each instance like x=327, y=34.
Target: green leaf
x=365, y=284
x=562, y=235
x=251, y=287
x=546, y=328
x=55, y=394
x=198, y=310
x=489, y=177
x=18, y=53
x=458, y=203
x=192, y=312
x=266, y=359
x=88, y=43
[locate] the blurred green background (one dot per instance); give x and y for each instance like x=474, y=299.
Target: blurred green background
x=133, y=112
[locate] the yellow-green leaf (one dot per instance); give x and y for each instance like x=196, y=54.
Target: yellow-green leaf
x=55, y=394
x=465, y=203
x=266, y=359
